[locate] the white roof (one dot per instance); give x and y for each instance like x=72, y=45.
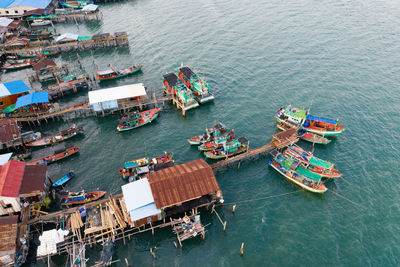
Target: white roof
x=137, y=194
x=4, y=22
x=115, y=93
x=90, y=7
x=71, y=36
x=4, y=158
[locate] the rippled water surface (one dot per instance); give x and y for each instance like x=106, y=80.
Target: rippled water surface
x=340, y=56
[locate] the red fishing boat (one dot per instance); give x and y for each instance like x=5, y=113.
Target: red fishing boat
x=60, y=153
x=60, y=137
x=82, y=197
x=136, y=119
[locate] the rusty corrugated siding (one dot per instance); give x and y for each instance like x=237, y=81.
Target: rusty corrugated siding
x=8, y=233
x=33, y=179
x=8, y=128
x=182, y=183
x=285, y=134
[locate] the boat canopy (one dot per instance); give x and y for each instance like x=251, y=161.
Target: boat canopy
x=105, y=72
x=300, y=113
x=171, y=79
x=321, y=119
x=187, y=72
x=33, y=98
x=12, y=88
x=320, y=162
x=315, y=177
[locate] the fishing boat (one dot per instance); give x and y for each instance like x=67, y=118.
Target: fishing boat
x=303, y=134
x=218, y=141
x=209, y=135
x=311, y=162
x=59, y=137
x=136, y=119
x=37, y=34
x=40, y=22
x=145, y=165
x=75, y=3
x=18, y=61
x=82, y=197
x=73, y=77
x=179, y=90
x=292, y=170
x=43, y=53
x=63, y=180
x=111, y=73
x=313, y=124
x=200, y=88
x=228, y=149
x=59, y=154
x=18, y=66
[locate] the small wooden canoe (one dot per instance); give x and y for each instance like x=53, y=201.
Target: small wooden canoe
x=17, y=66
x=57, y=155
x=63, y=180
x=60, y=137
x=79, y=198
x=111, y=74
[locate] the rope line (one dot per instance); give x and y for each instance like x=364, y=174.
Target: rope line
x=261, y=198
x=347, y=199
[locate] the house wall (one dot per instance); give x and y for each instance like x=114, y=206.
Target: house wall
x=14, y=202
x=15, y=11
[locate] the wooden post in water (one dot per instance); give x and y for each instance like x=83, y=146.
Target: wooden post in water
x=242, y=249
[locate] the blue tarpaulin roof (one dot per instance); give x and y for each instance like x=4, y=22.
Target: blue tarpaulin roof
x=34, y=98
x=31, y=3
x=12, y=88
x=321, y=119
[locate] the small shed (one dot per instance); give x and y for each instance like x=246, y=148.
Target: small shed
x=116, y=97
x=8, y=239
x=9, y=92
x=44, y=64
x=10, y=134
x=67, y=37
x=90, y=8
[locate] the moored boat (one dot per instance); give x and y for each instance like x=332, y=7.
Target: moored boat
x=313, y=124
x=312, y=163
x=179, y=90
x=218, y=141
x=17, y=66
x=60, y=153
x=40, y=22
x=60, y=137
x=43, y=53
x=292, y=170
x=37, y=34
x=63, y=180
x=209, y=135
x=136, y=119
x=75, y=3
x=229, y=149
x=141, y=166
x=199, y=87
x=82, y=197
x=111, y=73
x=303, y=134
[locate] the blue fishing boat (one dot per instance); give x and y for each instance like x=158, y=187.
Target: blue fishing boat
x=63, y=180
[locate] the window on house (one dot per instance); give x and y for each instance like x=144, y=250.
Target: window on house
x=16, y=11
x=7, y=12
x=1, y=103
x=25, y=11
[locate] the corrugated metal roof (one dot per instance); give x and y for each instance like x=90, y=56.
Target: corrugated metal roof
x=29, y=3
x=4, y=22
x=9, y=129
x=70, y=36
x=12, y=88
x=33, y=98
x=33, y=179
x=11, y=175
x=285, y=134
x=115, y=93
x=43, y=63
x=181, y=183
x=4, y=158
x=8, y=233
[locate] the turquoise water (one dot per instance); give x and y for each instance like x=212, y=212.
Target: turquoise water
x=340, y=56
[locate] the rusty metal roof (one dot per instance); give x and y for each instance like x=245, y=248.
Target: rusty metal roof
x=285, y=134
x=8, y=233
x=11, y=175
x=33, y=179
x=9, y=128
x=43, y=63
x=182, y=183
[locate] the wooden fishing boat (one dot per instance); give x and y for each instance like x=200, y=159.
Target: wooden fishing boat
x=43, y=53
x=18, y=61
x=218, y=141
x=311, y=163
x=75, y=3
x=111, y=73
x=136, y=119
x=303, y=134
x=145, y=165
x=59, y=154
x=73, y=77
x=37, y=34
x=200, y=88
x=17, y=66
x=313, y=124
x=59, y=137
x=209, y=135
x=179, y=90
x=229, y=149
x=63, y=180
x=40, y=22
x=292, y=170
x=82, y=197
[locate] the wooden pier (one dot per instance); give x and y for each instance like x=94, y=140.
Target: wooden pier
x=71, y=15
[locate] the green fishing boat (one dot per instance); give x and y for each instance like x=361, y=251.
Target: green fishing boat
x=180, y=91
x=200, y=88
x=137, y=119
x=229, y=149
